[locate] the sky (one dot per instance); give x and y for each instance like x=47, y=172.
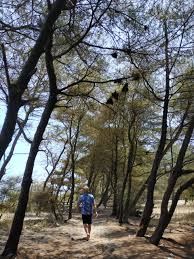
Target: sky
x=17, y=164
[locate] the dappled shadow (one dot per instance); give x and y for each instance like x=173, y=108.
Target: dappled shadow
x=181, y=253
x=172, y=241
x=79, y=239
x=99, y=221
x=108, y=240
x=114, y=234
x=174, y=248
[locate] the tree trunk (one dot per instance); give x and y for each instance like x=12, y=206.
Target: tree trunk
x=128, y=175
x=16, y=91
x=74, y=146
x=8, y=158
x=54, y=167
x=72, y=192
x=159, y=154
x=17, y=224
x=92, y=171
x=136, y=199
x=163, y=223
x=104, y=197
x=166, y=216
x=53, y=209
x=127, y=202
x=115, y=177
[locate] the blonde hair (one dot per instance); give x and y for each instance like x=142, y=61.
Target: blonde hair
x=86, y=189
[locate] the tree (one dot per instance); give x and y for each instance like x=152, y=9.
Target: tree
x=16, y=89
x=17, y=224
x=171, y=60
x=45, y=43
x=166, y=214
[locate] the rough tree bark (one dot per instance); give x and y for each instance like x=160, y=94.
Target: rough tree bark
x=159, y=153
x=17, y=224
x=166, y=214
x=16, y=90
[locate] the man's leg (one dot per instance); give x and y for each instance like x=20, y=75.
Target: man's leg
x=85, y=224
x=86, y=228
x=89, y=225
x=89, y=229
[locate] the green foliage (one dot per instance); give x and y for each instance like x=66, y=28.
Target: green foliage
x=188, y=195
x=40, y=201
x=9, y=193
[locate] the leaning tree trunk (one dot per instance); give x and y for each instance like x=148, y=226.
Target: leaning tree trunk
x=16, y=91
x=17, y=224
x=165, y=218
x=146, y=217
x=134, y=202
x=54, y=167
x=8, y=158
x=166, y=215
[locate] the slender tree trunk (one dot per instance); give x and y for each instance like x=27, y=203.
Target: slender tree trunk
x=53, y=209
x=73, y=167
x=136, y=199
x=92, y=170
x=8, y=158
x=166, y=215
x=54, y=167
x=63, y=176
x=54, y=203
x=16, y=91
x=124, y=208
x=127, y=202
x=17, y=224
x=159, y=154
x=128, y=176
x=115, y=177
x=105, y=193
x=72, y=188
x=122, y=197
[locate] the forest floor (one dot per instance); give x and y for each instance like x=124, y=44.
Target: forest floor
x=41, y=240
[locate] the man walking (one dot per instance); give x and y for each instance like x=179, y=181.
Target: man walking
x=87, y=204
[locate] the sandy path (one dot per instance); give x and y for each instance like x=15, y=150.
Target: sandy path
x=108, y=240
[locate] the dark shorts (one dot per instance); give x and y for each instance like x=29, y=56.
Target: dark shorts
x=87, y=219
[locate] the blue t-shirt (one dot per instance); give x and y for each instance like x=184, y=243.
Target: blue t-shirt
x=87, y=202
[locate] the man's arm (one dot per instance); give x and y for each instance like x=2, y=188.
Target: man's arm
x=78, y=203
x=95, y=209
